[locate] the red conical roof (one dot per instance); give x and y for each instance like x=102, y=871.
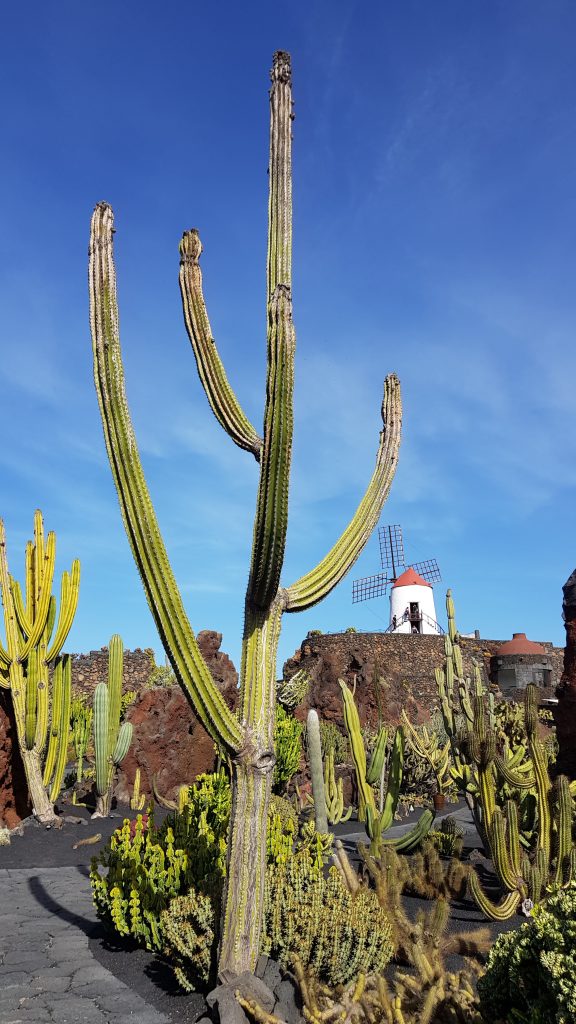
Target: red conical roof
x=410, y=578
x=519, y=644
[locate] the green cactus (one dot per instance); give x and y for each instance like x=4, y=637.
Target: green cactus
x=248, y=735
x=379, y=817
x=316, y=772
x=334, y=793
x=111, y=739
x=81, y=715
x=427, y=746
x=138, y=799
x=41, y=698
x=552, y=856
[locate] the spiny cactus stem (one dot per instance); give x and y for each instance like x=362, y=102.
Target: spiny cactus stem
x=280, y=170
x=221, y=397
x=137, y=510
x=318, y=583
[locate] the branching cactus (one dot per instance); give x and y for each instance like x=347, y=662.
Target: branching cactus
x=111, y=739
x=34, y=640
x=379, y=816
x=247, y=735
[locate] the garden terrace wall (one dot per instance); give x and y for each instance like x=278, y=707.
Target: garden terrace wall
x=90, y=669
x=405, y=662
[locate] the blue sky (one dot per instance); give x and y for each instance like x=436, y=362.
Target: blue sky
x=434, y=235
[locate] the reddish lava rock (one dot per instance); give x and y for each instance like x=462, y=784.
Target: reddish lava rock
x=14, y=803
x=169, y=742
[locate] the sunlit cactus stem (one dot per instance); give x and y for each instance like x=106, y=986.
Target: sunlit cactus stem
x=316, y=770
x=34, y=640
x=247, y=736
x=111, y=739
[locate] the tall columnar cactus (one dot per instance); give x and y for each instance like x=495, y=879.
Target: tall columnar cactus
x=34, y=640
x=111, y=739
x=248, y=735
x=379, y=816
x=314, y=745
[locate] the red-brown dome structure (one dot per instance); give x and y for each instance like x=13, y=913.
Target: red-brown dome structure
x=519, y=644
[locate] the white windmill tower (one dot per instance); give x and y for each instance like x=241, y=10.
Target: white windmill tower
x=412, y=607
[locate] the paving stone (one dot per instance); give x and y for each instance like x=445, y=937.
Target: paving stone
x=10, y=978
x=49, y=983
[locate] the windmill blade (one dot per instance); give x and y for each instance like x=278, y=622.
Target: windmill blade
x=391, y=549
x=370, y=586
x=427, y=570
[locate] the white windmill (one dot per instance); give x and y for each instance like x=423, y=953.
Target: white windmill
x=412, y=607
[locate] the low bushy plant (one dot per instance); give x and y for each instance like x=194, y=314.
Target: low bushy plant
x=288, y=747
x=531, y=972
x=316, y=917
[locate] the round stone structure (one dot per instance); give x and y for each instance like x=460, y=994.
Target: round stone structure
x=519, y=662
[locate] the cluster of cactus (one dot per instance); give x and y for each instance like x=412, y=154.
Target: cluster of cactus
x=111, y=738
x=294, y=691
x=426, y=745
x=287, y=746
x=379, y=816
x=138, y=799
x=81, y=716
x=449, y=838
x=487, y=765
x=551, y=857
x=188, y=929
x=428, y=994
x=334, y=793
x=336, y=933
x=32, y=667
x=247, y=736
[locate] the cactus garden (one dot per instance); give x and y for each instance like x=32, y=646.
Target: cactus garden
x=413, y=867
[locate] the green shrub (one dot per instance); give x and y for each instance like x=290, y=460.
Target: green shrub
x=288, y=746
x=531, y=973
x=142, y=868
x=332, y=739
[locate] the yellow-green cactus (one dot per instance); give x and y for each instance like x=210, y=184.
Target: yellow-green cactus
x=41, y=698
x=248, y=735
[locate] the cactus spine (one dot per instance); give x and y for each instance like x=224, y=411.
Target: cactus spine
x=111, y=739
x=248, y=736
x=315, y=760
x=33, y=646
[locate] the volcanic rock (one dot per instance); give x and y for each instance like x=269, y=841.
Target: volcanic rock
x=169, y=742
x=14, y=801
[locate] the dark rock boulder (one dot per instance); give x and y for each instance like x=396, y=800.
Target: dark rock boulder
x=14, y=801
x=168, y=741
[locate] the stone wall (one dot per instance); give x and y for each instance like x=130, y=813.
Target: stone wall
x=90, y=669
x=405, y=662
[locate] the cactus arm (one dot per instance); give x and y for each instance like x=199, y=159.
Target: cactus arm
x=63, y=725
x=394, y=781
x=69, y=590
x=516, y=779
x=315, y=585
x=221, y=397
x=139, y=517
x=412, y=838
x=352, y=723
x=23, y=620
x=31, y=697
x=115, y=672
x=45, y=569
x=271, y=520
x=495, y=911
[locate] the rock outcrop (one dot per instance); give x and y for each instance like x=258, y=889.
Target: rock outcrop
x=168, y=741
x=565, y=710
x=14, y=802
